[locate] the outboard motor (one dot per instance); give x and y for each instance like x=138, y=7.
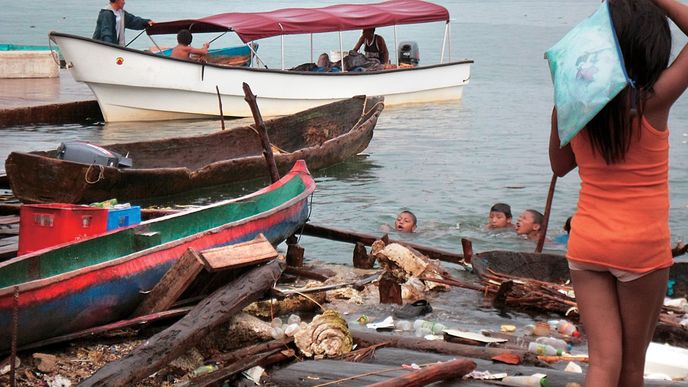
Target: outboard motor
x=408, y=53
x=83, y=152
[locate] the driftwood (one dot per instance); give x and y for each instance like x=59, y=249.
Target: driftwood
x=361, y=258
x=239, y=354
x=364, y=339
x=262, y=132
x=160, y=349
x=367, y=240
x=314, y=273
x=448, y=370
x=389, y=289
x=218, y=376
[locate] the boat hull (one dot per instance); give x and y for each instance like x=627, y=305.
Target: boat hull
x=322, y=137
x=132, y=85
x=95, y=289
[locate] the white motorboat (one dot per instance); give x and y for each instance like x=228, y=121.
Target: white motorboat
x=134, y=85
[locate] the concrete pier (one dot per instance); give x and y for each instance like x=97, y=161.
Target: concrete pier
x=46, y=100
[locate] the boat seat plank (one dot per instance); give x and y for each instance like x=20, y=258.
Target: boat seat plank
x=8, y=220
x=253, y=252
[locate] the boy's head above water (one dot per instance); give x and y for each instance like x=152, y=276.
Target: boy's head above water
x=406, y=222
x=529, y=223
x=500, y=216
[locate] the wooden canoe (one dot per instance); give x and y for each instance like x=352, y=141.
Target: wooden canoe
x=321, y=136
x=101, y=279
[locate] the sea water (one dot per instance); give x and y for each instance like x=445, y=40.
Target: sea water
x=447, y=162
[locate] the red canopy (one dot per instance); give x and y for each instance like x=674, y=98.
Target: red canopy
x=288, y=21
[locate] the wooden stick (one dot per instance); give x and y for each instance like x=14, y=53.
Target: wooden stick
x=342, y=235
x=545, y=220
x=169, y=344
x=241, y=353
x=447, y=370
x=219, y=100
x=262, y=132
x=213, y=378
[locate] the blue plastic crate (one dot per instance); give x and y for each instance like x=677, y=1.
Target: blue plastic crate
x=123, y=217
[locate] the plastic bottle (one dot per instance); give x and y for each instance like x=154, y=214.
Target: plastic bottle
x=294, y=319
x=543, y=349
x=558, y=344
x=431, y=327
x=291, y=329
x=567, y=328
x=403, y=325
x=536, y=380
x=277, y=333
x=276, y=322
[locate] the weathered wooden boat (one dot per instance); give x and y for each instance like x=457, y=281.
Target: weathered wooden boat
x=322, y=136
x=554, y=268
x=133, y=85
x=94, y=281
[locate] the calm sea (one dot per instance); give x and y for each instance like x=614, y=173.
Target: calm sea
x=447, y=162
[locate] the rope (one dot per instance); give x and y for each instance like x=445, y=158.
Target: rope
x=101, y=174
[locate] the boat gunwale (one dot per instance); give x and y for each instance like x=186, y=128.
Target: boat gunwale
x=297, y=172
x=258, y=69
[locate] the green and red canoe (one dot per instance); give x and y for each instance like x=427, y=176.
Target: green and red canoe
x=101, y=279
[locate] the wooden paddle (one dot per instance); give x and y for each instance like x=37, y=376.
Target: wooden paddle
x=545, y=220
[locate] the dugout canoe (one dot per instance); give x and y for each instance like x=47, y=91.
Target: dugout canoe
x=94, y=281
x=322, y=136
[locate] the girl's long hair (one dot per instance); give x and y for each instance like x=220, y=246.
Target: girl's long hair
x=644, y=37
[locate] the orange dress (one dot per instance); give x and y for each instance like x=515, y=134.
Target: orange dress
x=622, y=220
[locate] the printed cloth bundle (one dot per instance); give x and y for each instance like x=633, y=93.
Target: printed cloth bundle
x=587, y=70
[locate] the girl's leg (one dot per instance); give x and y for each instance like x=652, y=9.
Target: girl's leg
x=640, y=301
x=598, y=305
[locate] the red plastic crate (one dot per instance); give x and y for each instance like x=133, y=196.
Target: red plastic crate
x=45, y=225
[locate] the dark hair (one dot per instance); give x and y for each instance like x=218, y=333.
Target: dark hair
x=413, y=216
x=538, y=218
x=643, y=33
x=567, y=225
x=184, y=37
x=503, y=208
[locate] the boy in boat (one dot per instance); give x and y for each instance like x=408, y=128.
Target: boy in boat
x=183, y=50
x=500, y=216
x=529, y=223
x=113, y=19
x=374, y=46
x=325, y=66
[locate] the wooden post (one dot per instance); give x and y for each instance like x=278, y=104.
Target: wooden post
x=545, y=220
x=219, y=100
x=362, y=260
x=390, y=290
x=262, y=132
x=467, y=247
x=294, y=252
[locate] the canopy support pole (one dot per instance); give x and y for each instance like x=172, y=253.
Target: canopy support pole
x=341, y=50
x=396, y=45
x=312, y=48
x=444, y=41
x=449, y=43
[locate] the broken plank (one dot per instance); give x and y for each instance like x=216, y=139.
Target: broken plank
x=172, y=285
x=451, y=369
x=253, y=252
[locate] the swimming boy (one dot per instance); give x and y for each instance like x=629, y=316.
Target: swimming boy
x=500, y=216
x=406, y=222
x=529, y=223
x=183, y=50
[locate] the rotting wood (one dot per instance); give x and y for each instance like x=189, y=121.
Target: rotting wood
x=341, y=235
x=364, y=339
x=390, y=290
x=221, y=374
x=447, y=370
x=262, y=132
x=361, y=258
x=358, y=285
x=172, y=285
x=165, y=346
x=253, y=252
x=314, y=273
x=241, y=353
x=295, y=255
x=467, y=248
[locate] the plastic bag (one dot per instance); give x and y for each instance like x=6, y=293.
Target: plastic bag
x=587, y=70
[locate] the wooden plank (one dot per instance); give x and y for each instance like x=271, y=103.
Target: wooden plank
x=253, y=252
x=172, y=284
x=7, y=220
x=8, y=247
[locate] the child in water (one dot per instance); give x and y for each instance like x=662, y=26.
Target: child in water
x=529, y=223
x=406, y=222
x=500, y=216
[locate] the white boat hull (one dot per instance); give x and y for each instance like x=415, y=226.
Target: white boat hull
x=132, y=85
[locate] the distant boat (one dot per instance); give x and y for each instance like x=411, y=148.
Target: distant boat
x=78, y=285
x=229, y=56
x=132, y=85
x=322, y=136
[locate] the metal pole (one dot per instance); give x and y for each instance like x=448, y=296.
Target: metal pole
x=396, y=45
x=311, y=48
x=282, y=40
x=341, y=50
x=444, y=41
